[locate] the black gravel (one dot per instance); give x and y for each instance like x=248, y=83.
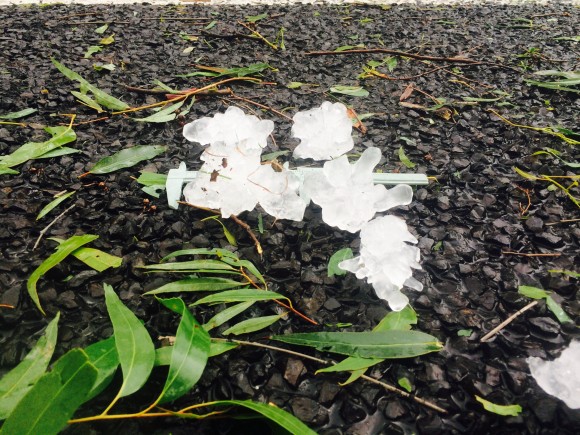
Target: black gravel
x=464, y=221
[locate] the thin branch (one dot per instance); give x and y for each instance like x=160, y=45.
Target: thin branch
x=507, y=321
x=522, y=254
x=46, y=228
x=258, y=35
x=163, y=92
x=247, y=100
x=246, y=227
x=396, y=53
x=563, y=221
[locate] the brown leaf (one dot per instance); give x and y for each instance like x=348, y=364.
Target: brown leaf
x=407, y=92
x=358, y=124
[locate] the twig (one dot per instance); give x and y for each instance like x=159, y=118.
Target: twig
x=46, y=228
x=277, y=112
x=327, y=363
x=522, y=254
x=163, y=92
x=562, y=222
x=6, y=306
x=246, y=227
x=395, y=53
x=387, y=77
x=258, y=35
x=507, y=321
x=524, y=210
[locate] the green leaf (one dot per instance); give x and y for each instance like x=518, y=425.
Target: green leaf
x=226, y=315
x=284, y=419
x=513, y=410
x=33, y=150
x=62, y=151
x=464, y=332
x=18, y=381
x=163, y=354
x=391, y=63
x=218, y=252
x=404, y=159
x=353, y=91
x=533, y=292
x=101, y=97
x=351, y=364
x=127, y=158
x=210, y=25
x=102, y=29
x=260, y=223
x=244, y=295
x=555, y=308
x=107, y=40
x=190, y=266
x=152, y=179
x=88, y=101
x=134, y=346
x=168, y=113
x=252, y=325
x=348, y=47
x=54, y=203
x=17, y=115
x=229, y=236
x=565, y=272
x=92, y=50
x=387, y=344
x=219, y=347
x=104, y=66
x=398, y=320
x=556, y=154
x=62, y=251
x=248, y=265
x=405, y=384
x=525, y=174
x=54, y=398
x=295, y=85
x=255, y=18
x=189, y=355
x=94, y=258
x=103, y=356
x=337, y=257
x=5, y=170
x=196, y=285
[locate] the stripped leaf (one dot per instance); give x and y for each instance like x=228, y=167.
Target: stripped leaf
x=127, y=158
x=168, y=113
x=88, y=101
x=252, y=325
x=353, y=91
x=94, y=258
x=190, y=266
x=54, y=203
x=225, y=315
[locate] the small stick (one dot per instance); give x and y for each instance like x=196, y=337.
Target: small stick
x=277, y=112
x=387, y=77
x=562, y=222
x=46, y=228
x=246, y=227
x=395, y=53
x=507, y=321
x=6, y=306
x=524, y=210
x=259, y=36
x=163, y=92
x=522, y=254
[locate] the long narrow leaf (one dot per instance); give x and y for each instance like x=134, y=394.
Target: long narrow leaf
x=16, y=383
x=127, y=158
x=389, y=344
x=196, y=285
x=103, y=356
x=62, y=251
x=252, y=325
x=134, y=346
x=273, y=413
x=19, y=114
x=227, y=314
x=190, y=265
x=94, y=258
x=243, y=295
x=53, y=204
x=166, y=114
x=218, y=252
x=54, y=398
x=189, y=355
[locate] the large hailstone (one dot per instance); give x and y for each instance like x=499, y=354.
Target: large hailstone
x=324, y=132
x=347, y=194
x=387, y=260
x=233, y=128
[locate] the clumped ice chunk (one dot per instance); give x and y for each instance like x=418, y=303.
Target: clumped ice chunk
x=561, y=377
x=233, y=128
x=324, y=132
x=387, y=260
x=340, y=184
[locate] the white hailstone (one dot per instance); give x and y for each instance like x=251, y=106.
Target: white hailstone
x=386, y=259
x=324, y=132
x=233, y=128
x=561, y=377
x=340, y=183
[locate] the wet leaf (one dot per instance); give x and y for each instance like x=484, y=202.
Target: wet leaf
x=398, y=320
x=92, y=50
x=229, y=236
x=273, y=413
x=17, y=115
x=189, y=355
x=558, y=311
x=337, y=257
x=17, y=382
x=464, y=332
x=101, y=97
x=555, y=153
x=525, y=174
x=107, y=40
x=102, y=29
x=405, y=384
x=127, y=158
x=62, y=251
x=210, y=25
x=33, y=150
x=387, y=344
x=104, y=66
x=565, y=272
x=351, y=364
x=152, y=179
x=219, y=347
x=348, y=47
x=252, y=325
x=94, y=258
x=54, y=203
x=88, y=101
x=255, y=18
x=353, y=91
x=62, y=151
x=54, y=398
x=196, y=285
x=513, y=410
x=295, y=85
x=243, y=295
x=404, y=159
x=190, y=266
x=168, y=113
x=103, y=356
x=532, y=292
x=553, y=306
x=218, y=252
x=225, y=315
x=134, y=346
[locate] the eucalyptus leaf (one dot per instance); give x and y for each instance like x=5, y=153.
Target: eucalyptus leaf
x=384, y=344
x=337, y=257
x=92, y=50
x=255, y=18
x=404, y=159
x=17, y=115
x=513, y=410
x=94, y=258
x=287, y=421
x=405, y=384
x=57, y=152
x=565, y=272
x=62, y=251
x=243, y=295
x=33, y=150
x=532, y=292
x=102, y=29
x=134, y=346
x=190, y=266
x=196, y=285
x=189, y=355
x=168, y=113
x=54, y=203
x=127, y=158
x=252, y=325
x=218, y=347
x=152, y=179
x=218, y=252
x=103, y=356
x=225, y=315
x=558, y=311
x=17, y=382
x=353, y=91
x=52, y=401
x=556, y=154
